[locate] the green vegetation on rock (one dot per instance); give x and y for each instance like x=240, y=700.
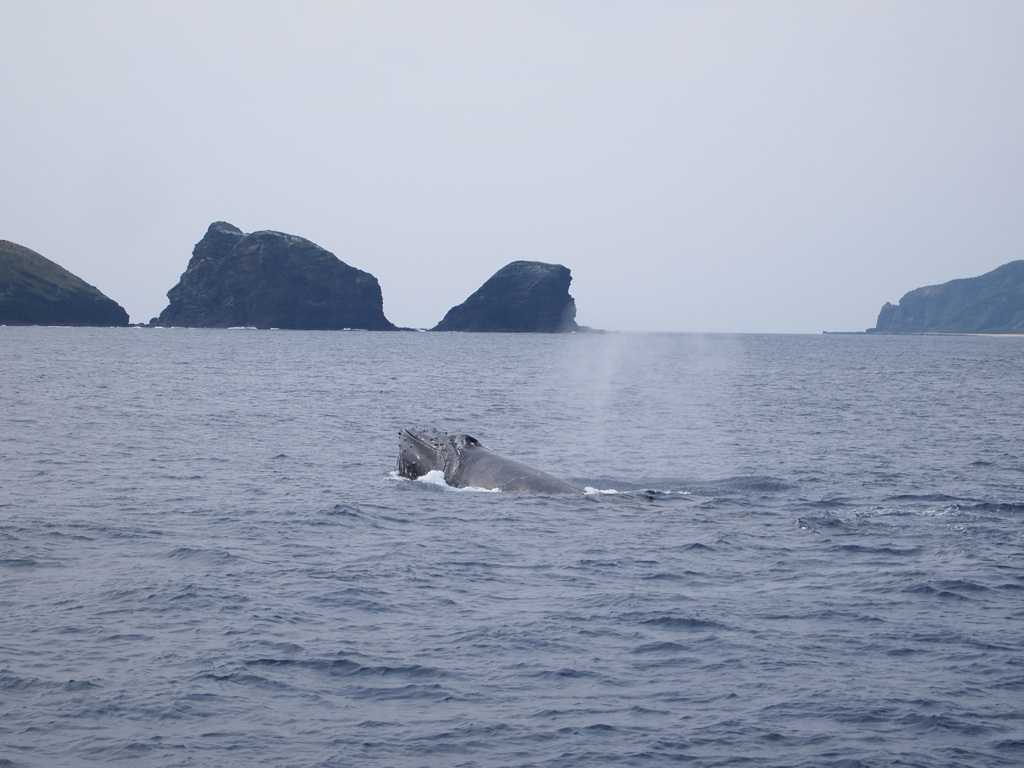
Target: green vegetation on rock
x=36, y=291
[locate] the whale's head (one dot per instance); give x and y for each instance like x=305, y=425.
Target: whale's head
x=422, y=450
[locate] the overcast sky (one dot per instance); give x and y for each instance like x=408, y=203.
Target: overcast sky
x=699, y=166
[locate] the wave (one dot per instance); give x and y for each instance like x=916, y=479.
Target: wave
x=998, y=507
x=202, y=555
x=346, y=667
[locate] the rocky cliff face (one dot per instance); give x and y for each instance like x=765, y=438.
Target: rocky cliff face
x=271, y=280
x=524, y=296
x=990, y=303
x=36, y=291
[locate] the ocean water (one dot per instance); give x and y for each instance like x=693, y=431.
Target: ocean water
x=798, y=551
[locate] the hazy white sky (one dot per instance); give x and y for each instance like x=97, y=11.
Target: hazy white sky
x=699, y=166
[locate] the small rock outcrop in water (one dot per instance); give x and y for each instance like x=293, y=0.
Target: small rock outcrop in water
x=271, y=280
x=990, y=303
x=521, y=297
x=36, y=291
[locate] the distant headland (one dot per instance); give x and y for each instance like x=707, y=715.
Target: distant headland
x=271, y=279
x=36, y=291
x=521, y=297
x=992, y=303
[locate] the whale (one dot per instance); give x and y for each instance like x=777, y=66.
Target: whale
x=466, y=463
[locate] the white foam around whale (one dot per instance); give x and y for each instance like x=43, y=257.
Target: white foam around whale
x=436, y=477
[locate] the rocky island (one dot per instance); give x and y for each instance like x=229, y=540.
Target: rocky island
x=990, y=303
x=37, y=291
x=271, y=279
x=521, y=297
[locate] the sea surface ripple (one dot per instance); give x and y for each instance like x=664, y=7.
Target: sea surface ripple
x=806, y=551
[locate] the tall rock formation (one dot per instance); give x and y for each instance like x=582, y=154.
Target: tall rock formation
x=271, y=280
x=521, y=297
x=36, y=291
x=990, y=303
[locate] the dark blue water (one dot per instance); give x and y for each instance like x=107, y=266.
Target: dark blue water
x=815, y=555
